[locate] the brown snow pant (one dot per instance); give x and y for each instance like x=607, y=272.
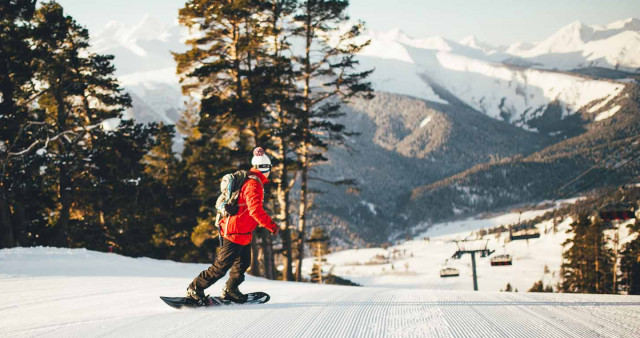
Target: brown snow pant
x=231, y=256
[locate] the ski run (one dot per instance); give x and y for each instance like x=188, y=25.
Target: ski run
x=52, y=292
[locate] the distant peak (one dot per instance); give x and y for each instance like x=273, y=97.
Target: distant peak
x=576, y=27
x=472, y=41
x=626, y=24
x=393, y=34
x=469, y=38
x=576, y=23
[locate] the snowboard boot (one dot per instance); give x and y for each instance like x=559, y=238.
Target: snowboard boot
x=234, y=295
x=196, y=294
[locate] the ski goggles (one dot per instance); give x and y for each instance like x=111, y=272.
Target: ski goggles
x=264, y=167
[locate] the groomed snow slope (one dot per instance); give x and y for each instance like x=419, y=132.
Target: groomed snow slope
x=77, y=293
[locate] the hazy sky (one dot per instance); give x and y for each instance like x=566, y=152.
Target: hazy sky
x=495, y=21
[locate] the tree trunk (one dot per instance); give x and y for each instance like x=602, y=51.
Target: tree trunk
x=597, y=271
x=64, y=180
x=255, y=255
x=267, y=252
x=303, y=212
x=20, y=224
x=7, y=106
x=304, y=156
x=616, y=240
x=7, y=239
x=283, y=202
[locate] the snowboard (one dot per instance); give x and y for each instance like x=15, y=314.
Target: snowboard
x=184, y=302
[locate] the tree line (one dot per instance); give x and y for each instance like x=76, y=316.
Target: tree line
x=75, y=173
x=601, y=256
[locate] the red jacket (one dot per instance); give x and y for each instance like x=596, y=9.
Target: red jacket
x=251, y=213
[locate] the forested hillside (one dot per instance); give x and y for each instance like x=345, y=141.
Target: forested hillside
x=605, y=154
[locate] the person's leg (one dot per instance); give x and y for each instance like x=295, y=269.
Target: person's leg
x=240, y=266
x=228, y=254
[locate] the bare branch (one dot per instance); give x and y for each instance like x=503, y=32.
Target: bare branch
x=28, y=149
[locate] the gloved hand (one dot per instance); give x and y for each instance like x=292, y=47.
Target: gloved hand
x=275, y=230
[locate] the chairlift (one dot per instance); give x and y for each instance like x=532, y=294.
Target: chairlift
x=501, y=260
x=617, y=211
x=523, y=232
x=449, y=272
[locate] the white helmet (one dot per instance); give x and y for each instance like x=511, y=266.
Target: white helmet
x=261, y=160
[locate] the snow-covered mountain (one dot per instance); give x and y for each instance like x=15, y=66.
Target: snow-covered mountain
x=437, y=69
x=614, y=46
x=473, y=42
x=470, y=72
x=145, y=65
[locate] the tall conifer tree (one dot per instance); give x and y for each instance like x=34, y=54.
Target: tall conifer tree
x=80, y=92
x=329, y=78
x=588, y=260
x=18, y=126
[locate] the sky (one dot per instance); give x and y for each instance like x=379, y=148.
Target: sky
x=498, y=22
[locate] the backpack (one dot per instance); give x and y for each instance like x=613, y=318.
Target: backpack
x=230, y=186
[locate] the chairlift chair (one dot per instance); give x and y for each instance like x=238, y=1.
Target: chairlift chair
x=501, y=260
x=449, y=272
x=523, y=232
x=617, y=211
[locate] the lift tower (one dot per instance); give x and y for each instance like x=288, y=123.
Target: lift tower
x=464, y=248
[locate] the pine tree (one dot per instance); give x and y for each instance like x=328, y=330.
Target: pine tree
x=230, y=65
x=588, y=261
x=19, y=127
x=328, y=76
x=280, y=95
x=126, y=202
x=539, y=287
x=320, y=242
x=81, y=92
x=218, y=68
x=630, y=262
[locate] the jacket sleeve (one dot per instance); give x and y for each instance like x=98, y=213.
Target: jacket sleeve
x=254, y=199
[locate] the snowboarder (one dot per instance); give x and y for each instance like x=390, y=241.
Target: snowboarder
x=235, y=250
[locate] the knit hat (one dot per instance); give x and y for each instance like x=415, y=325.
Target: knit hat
x=261, y=160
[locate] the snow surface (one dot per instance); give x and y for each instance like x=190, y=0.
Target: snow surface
x=371, y=206
x=78, y=293
x=607, y=114
x=425, y=121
